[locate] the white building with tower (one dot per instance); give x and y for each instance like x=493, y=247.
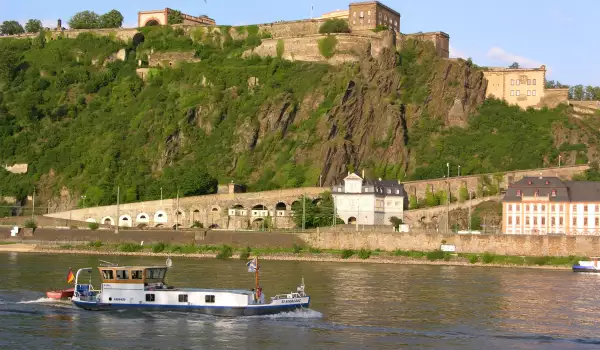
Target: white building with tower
x=369, y=202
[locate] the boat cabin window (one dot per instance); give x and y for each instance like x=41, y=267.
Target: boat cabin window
x=209, y=298
x=137, y=274
x=150, y=297
x=122, y=274
x=155, y=274
x=107, y=274
x=183, y=298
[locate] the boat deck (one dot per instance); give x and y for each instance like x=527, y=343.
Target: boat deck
x=201, y=290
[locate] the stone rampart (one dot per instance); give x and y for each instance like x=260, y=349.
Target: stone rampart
x=118, y=33
x=554, y=97
x=475, y=182
x=520, y=245
x=292, y=28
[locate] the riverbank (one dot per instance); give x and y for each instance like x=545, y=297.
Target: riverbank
x=297, y=254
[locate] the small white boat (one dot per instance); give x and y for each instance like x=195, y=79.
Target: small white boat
x=588, y=266
x=144, y=288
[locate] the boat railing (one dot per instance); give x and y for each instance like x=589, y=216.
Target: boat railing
x=287, y=296
x=86, y=292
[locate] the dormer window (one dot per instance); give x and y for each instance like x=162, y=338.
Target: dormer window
x=553, y=193
x=518, y=193
x=547, y=182
x=529, y=182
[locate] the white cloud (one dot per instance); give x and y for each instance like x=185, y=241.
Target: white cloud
x=454, y=53
x=498, y=54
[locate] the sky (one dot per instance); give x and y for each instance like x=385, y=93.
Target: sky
x=557, y=33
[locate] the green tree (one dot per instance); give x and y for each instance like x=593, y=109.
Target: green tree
x=413, y=202
x=514, y=65
x=85, y=20
x=316, y=213
x=112, y=19
x=463, y=193
x=334, y=26
x=577, y=92
x=33, y=26
x=431, y=199
x=11, y=28
x=174, y=17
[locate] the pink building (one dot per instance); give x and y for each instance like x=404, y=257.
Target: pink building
x=548, y=205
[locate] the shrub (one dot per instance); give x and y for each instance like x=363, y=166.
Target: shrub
x=158, y=247
x=95, y=244
x=409, y=253
x=435, y=255
x=30, y=224
x=280, y=48
x=314, y=250
x=245, y=254
x=487, y=258
x=473, y=259
x=93, y=226
x=130, y=247
x=380, y=28
x=197, y=224
x=395, y=221
x=334, y=26
x=327, y=46
x=225, y=252
x=364, y=254
x=297, y=248
x=346, y=253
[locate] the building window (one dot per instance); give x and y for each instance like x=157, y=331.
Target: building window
x=552, y=221
x=510, y=207
x=585, y=208
x=518, y=193
x=526, y=207
x=528, y=92
x=512, y=92
x=574, y=221
x=518, y=91
x=389, y=191
x=510, y=220
x=183, y=298
x=543, y=221
x=527, y=220
x=560, y=208
x=543, y=207
x=369, y=12
x=518, y=82
x=512, y=82
x=150, y=297
x=597, y=222
x=553, y=208
x=533, y=93
x=362, y=14
x=354, y=14
x=560, y=221
x=553, y=193
x=209, y=298
x=518, y=206
x=397, y=191
x=597, y=208
x=528, y=81
x=574, y=208
x=368, y=20
x=533, y=83
x=535, y=220
x=518, y=220
x=585, y=221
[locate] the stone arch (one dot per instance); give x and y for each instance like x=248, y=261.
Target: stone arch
x=152, y=22
x=160, y=217
x=142, y=218
x=259, y=207
x=138, y=38
x=238, y=206
x=281, y=206
x=422, y=219
x=215, y=209
x=92, y=220
x=195, y=215
x=351, y=220
x=258, y=223
x=107, y=220
x=180, y=213
x=125, y=220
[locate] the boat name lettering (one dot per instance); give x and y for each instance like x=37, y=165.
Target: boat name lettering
x=288, y=301
x=119, y=299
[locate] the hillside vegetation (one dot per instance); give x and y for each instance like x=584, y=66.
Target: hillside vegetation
x=86, y=123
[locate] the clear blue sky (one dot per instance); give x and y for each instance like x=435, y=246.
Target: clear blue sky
x=560, y=34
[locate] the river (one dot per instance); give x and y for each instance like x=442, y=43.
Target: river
x=353, y=306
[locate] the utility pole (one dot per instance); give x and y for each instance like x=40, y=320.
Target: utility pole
x=118, y=196
x=177, y=213
x=459, y=171
x=320, y=181
x=448, y=209
x=559, y=156
x=469, y=223
x=333, y=223
x=33, y=209
x=357, y=213
x=161, y=197
x=303, y=211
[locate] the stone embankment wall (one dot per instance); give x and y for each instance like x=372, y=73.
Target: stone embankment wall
x=520, y=245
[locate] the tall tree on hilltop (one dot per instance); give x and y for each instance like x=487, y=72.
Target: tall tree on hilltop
x=84, y=20
x=514, y=65
x=11, y=28
x=112, y=19
x=33, y=26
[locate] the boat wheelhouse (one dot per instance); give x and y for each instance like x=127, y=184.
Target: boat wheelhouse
x=144, y=287
x=588, y=266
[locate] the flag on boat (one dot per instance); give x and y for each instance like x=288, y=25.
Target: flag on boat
x=70, y=276
x=252, y=265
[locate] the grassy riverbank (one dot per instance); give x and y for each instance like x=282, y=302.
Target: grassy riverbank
x=308, y=254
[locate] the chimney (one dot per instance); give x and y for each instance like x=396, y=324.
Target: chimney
x=59, y=25
x=231, y=187
x=363, y=173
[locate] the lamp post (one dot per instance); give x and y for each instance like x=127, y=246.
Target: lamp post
x=161, y=197
x=459, y=171
x=448, y=166
x=83, y=197
x=559, y=157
